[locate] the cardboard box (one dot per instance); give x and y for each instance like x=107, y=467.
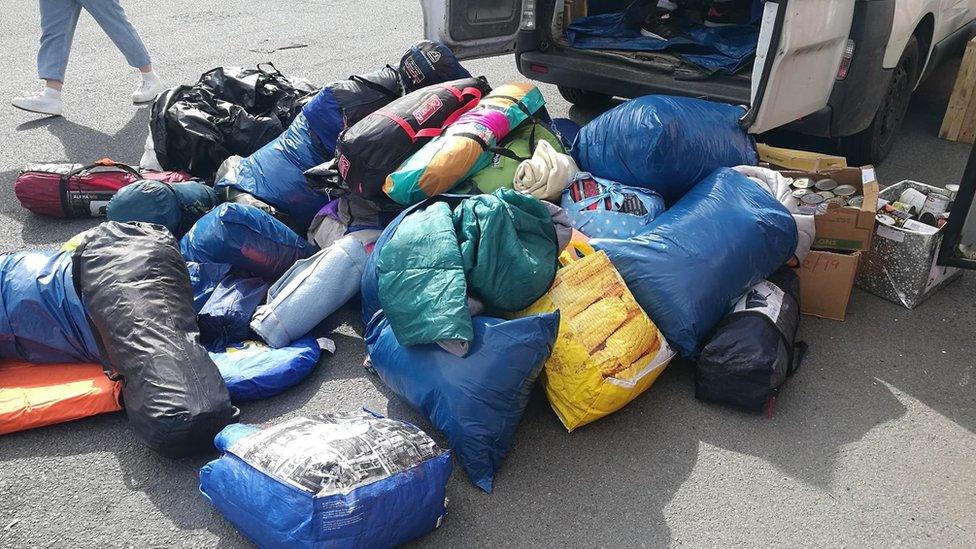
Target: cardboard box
x=804, y=161
x=826, y=281
x=846, y=228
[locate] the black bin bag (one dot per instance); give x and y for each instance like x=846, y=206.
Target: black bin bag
x=753, y=351
x=135, y=286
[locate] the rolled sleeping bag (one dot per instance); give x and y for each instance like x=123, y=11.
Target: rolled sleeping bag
x=695, y=259
x=664, y=143
x=376, y=146
x=136, y=289
x=176, y=206
x=465, y=147
x=247, y=238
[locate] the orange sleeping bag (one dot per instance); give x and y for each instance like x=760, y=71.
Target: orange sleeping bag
x=36, y=395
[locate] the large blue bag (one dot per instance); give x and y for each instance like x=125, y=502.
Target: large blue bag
x=664, y=143
x=252, y=370
x=204, y=279
x=247, y=238
x=476, y=401
x=336, y=481
x=226, y=317
x=42, y=318
x=698, y=257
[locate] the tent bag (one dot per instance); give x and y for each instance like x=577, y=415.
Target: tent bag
x=600, y=208
x=699, y=256
x=476, y=401
x=428, y=62
x=176, y=206
x=753, y=351
x=664, y=143
x=343, y=480
x=247, y=238
x=376, y=145
x=42, y=318
x=136, y=289
x=252, y=370
x=76, y=190
x=38, y=395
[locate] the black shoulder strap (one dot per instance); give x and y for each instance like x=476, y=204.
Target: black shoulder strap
x=374, y=86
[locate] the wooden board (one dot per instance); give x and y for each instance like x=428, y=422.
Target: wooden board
x=959, y=123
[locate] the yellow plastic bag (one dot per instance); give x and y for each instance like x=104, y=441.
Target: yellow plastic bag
x=608, y=351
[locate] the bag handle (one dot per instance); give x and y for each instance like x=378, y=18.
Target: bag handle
x=574, y=252
x=374, y=86
x=105, y=162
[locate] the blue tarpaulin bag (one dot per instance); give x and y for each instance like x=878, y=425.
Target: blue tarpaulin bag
x=252, y=370
x=476, y=401
x=336, y=481
x=600, y=208
x=664, y=143
x=42, y=318
x=698, y=257
x=204, y=279
x=226, y=316
x=247, y=238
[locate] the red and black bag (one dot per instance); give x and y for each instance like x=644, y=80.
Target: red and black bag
x=76, y=190
x=376, y=145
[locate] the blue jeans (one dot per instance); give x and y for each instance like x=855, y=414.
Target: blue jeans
x=58, y=21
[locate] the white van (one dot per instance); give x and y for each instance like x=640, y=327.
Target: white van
x=842, y=69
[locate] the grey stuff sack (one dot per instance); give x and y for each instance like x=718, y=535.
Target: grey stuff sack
x=136, y=289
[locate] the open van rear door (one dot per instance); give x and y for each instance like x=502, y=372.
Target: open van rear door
x=801, y=43
x=959, y=241
x=476, y=28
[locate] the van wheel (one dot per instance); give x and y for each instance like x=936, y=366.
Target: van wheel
x=872, y=145
x=584, y=98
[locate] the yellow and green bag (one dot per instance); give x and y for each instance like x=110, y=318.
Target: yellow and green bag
x=608, y=351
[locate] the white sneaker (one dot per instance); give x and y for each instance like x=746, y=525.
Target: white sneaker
x=147, y=91
x=38, y=103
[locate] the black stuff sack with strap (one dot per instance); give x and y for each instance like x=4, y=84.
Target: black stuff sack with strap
x=753, y=350
x=135, y=286
x=375, y=146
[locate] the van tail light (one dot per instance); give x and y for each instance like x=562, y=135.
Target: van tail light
x=845, y=60
x=528, y=15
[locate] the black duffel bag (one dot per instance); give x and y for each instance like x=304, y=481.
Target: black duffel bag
x=753, y=350
x=136, y=290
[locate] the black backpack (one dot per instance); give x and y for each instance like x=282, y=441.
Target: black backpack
x=752, y=352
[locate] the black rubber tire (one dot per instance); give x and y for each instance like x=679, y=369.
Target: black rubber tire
x=585, y=98
x=873, y=144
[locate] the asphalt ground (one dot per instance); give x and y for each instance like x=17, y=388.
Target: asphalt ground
x=872, y=443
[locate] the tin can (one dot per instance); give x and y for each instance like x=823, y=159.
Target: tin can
x=845, y=190
x=941, y=222
x=907, y=208
x=827, y=184
x=798, y=193
x=936, y=203
x=855, y=201
x=827, y=195
x=896, y=213
x=806, y=209
x=913, y=197
x=928, y=218
x=885, y=219
x=812, y=199
x=952, y=189
x=839, y=200
x=802, y=183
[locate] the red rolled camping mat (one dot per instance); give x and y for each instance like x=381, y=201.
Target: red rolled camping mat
x=37, y=395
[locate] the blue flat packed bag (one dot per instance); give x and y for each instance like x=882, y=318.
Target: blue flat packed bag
x=252, y=370
x=476, y=401
x=698, y=257
x=42, y=318
x=664, y=143
x=334, y=481
x=275, y=172
x=204, y=279
x=247, y=238
x=226, y=317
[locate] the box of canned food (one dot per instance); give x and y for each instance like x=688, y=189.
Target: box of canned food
x=844, y=202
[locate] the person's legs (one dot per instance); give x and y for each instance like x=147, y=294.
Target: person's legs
x=58, y=21
x=111, y=17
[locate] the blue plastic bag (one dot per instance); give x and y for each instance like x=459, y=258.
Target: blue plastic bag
x=204, y=279
x=698, y=257
x=600, y=208
x=226, y=316
x=42, y=318
x=664, y=143
x=247, y=238
x=252, y=370
x=476, y=401
x=324, y=482
x=275, y=172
